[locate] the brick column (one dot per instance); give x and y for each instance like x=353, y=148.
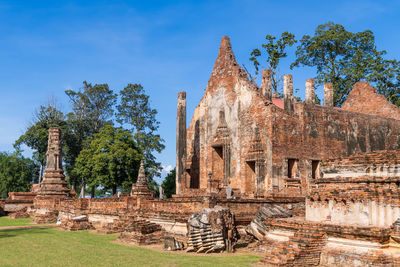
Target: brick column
x=266, y=84
x=328, y=94
x=180, y=141
x=288, y=92
x=310, y=91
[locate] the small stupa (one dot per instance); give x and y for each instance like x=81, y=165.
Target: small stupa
x=140, y=188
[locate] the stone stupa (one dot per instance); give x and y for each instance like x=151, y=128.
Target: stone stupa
x=140, y=188
x=54, y=184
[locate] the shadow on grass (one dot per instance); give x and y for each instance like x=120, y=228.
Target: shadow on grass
x=16, y=232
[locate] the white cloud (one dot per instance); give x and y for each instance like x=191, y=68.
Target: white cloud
x=167, y=168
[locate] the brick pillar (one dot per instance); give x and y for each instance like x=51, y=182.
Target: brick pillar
x=180, y=141
x=288, y=92
x=266, y=84
x=328, y=94
x=310, y=91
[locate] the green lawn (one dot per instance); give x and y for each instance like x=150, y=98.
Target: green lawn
x=5, y=221
x=52, y=247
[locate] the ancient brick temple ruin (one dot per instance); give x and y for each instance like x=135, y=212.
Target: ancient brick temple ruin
x=264, y=146
x=344, y=161
x=313, y=184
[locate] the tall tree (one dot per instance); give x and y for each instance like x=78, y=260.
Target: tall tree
x=135, y=110
x=344, y=58
x=16, y=173
x=168, y=185
x=110, y=159
x=36, y=135
x=274, y=50
x=385, y=77
x=93, y=105
x=93, y=108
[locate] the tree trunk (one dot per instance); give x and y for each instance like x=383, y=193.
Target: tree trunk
x=114, y=189
x=92, y=193
x=82, y=194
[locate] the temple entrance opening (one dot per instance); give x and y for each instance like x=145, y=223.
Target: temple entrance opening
x=218, y=163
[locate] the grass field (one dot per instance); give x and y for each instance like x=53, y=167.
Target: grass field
x=5, y=221
x=52, y=247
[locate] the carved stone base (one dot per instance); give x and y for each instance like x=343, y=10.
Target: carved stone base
x=54, y=184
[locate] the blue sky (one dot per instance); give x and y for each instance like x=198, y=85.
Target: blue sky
x=47, y=47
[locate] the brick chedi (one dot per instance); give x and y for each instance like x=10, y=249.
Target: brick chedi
x=140, y=188
x=53, y=188
x=53, y=184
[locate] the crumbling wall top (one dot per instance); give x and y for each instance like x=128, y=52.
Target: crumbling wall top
x=364, y=98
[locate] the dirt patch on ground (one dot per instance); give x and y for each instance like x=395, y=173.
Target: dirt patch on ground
x=160, y=248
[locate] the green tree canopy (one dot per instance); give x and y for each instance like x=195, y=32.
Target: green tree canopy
x=135, y=110
x=92, y=109
x=93, y=105
x=344, y=58
x=16, y=173
x=274, y=50
x=168, y=185
x=36, y=136
x=110, y=159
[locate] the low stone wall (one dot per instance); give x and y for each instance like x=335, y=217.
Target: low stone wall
x=368, y=201
x=347, y=252
x=294, y=242
x=15, y=205
x=109, y=206
x=18, y=200
x=46, y=209
x=172, y=214
x=178, y=210
x=22, y=195
x=74, y=207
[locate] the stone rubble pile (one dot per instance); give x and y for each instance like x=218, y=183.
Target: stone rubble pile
x=20, y=214
x=46, y=217
x=257, y=227
x=396, y=231
x=76, y=224
x=141, y=232
x=117, y=226
x=171, y=244
x=212, y=230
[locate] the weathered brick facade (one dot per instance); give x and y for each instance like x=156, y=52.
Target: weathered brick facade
x=263, y=146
